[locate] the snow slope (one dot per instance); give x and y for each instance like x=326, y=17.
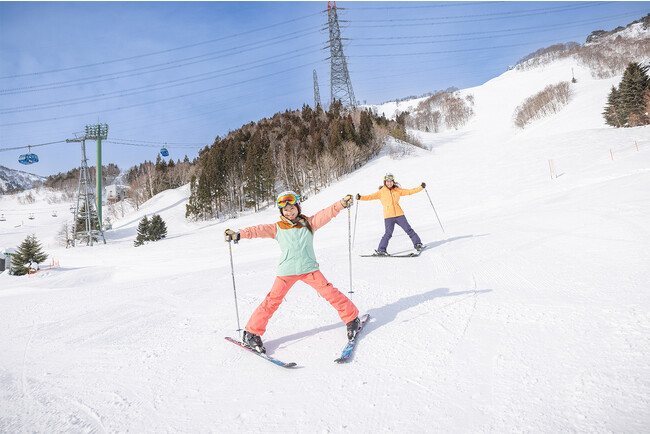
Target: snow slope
x=529, y=313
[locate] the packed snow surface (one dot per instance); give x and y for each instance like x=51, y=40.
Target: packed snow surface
x=529, y=313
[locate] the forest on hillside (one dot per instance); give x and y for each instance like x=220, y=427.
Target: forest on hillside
x=302, y=150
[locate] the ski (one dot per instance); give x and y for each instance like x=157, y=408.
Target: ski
x=347, y=351
x=404, y=255
x=262, y=355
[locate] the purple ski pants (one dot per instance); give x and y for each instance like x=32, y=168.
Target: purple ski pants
x=390, y=226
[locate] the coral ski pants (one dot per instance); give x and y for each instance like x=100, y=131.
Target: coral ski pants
x=260, y=318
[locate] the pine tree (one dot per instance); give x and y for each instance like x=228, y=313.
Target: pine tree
x=29, y=253
x=143, y=232
x=365, y=128
x=631, y=90
x=81, y=219
x=610, y=113
x=192, y=207
x=157, y=228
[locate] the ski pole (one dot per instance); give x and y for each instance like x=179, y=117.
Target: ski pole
x=350, y=250
x=234, y=288
x=354, y=232
x=434, y=210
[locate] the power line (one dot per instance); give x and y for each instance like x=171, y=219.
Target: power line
x=158, y=86
x=500, y=14
x=159, y=145
x=410, y=22
x=183, y=47
x=465, y=50
x=422, y=6
x=112, y=139
x=150, y=69
x=198, y=92
x=507, y=32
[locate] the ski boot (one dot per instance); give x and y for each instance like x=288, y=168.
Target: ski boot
x=353, y=328
x=419, y=247
x=381, y=253
x=253, y=341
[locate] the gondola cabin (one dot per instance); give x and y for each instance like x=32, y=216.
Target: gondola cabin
x=164, y=152
x=29, y=158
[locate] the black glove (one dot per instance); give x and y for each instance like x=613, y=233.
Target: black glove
x=424, y=185
x=347, y=201
x=358, y=196
x=231, y=235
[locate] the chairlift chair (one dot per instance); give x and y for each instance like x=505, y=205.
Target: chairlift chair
x=2, y=218
x=31, y=216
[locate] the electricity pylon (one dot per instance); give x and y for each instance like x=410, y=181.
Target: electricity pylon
x=340, y=83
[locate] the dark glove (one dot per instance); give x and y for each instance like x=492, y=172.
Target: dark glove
x=231, y=235
x=358, y=196
x=424, y=185
x=347, y=201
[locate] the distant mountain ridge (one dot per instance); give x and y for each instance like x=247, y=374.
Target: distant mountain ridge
x=16, y=180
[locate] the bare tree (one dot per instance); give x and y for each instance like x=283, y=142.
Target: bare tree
x=544, y=103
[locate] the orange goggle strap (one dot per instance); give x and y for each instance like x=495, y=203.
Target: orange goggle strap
x=288, y=199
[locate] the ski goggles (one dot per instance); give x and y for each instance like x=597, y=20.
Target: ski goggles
x=288, y=199
x=389, y=178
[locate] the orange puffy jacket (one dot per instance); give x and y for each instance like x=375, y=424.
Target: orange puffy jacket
x=390, y=199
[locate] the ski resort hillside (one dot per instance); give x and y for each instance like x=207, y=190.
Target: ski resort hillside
x=529, y=312
x=12, y=180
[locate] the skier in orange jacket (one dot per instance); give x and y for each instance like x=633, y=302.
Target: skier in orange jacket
x=389, y=195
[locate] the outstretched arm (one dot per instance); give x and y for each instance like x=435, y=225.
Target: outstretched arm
x=406, y=192
x=259, y=231
x=374, y=196
x=322, y=217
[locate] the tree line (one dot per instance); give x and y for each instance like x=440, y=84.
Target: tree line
x=301, y=150
x=148, y=179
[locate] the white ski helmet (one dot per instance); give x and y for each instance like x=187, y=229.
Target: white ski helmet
x=287, y=197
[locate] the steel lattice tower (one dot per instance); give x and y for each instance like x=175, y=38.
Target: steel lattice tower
x=87, y=199
x=316, y=91
x=340, y=83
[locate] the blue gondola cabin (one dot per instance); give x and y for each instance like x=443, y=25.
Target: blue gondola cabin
x=28, y=158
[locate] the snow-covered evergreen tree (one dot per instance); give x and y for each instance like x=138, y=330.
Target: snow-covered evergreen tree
x=626, y=106
x=157, y=228
x=143, y=232
x=28, y=255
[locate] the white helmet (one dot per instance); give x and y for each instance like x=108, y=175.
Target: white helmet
x=287, y=197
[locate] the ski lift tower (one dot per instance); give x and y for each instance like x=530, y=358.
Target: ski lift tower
x=85, y=197
x=97, y=133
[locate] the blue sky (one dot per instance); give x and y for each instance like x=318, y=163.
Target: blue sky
x=183, y=73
